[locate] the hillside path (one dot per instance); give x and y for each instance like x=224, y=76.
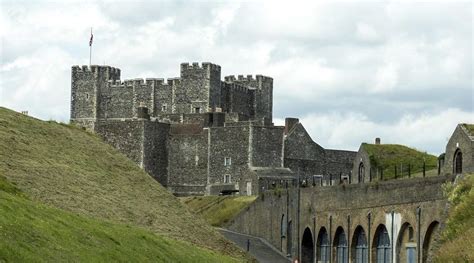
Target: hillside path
x=260, y=249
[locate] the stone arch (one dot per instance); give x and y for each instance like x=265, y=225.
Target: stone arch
x=406, y=244
x=307, y=246
x=322, y=246
x=457, y=162
x=361, y=173
x=340, y=246
x=381, y=247
x=359, y=248
x=431, y=234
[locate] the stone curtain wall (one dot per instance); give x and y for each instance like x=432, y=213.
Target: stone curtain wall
x=126, y=136
x=346, y=206
x=267, y=146
x=188, y=160
x=155, y=150
x=339, y=162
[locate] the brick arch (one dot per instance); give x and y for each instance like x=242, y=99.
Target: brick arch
x=406, y=243
x=431, y=234
x=323, y=245
x=340, y=246
x=359, y=245
x=381, y=245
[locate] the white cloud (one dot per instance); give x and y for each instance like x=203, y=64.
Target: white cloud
x=425, y=131
x=370, y=68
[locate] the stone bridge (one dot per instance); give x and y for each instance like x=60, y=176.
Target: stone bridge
x=385, y=221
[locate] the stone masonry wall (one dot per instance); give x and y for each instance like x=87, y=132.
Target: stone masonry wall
x=126, y=136
x=459, y=141
x=339, y=162
x=267, y=146
x=233, y=143
x=302, y=153
x=86, y=82
x=361, y=157
x=394, y=204
x=155, y=150
x=188, y=160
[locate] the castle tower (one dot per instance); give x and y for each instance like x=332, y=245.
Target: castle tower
x=262, y=103
x=86, y=83
x=199, y=89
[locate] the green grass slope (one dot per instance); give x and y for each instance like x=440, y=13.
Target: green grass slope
x=387, y=156
x=66, y=167
x=32, y=232
x=218, y=210
x=457, y=238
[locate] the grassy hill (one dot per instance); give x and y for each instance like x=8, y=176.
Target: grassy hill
x=31, y=231
x=65, y=167
x=456, y=241
x=217, y=210
x=387, y=156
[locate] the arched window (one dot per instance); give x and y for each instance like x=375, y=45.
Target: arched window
x=340, y=245
x=457, y=162
x=359, y=246
x=322, y=246
x=382, y=245
x=361, y=172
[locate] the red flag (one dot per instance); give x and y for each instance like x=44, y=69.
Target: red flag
x=90, y=41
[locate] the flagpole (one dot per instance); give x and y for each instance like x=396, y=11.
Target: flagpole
x=90, y=50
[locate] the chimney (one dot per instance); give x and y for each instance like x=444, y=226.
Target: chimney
x=290, y=123
x=377, y=141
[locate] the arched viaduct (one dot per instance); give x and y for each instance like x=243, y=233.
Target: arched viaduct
x=385, y=221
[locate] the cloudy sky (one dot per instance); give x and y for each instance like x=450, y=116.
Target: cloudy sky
x=351, y=71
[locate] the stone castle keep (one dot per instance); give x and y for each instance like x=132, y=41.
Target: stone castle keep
x=197, y=134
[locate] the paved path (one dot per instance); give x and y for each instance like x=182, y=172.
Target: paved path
x=259, y=248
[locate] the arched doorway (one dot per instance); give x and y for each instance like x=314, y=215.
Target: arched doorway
x=322, y=246
x=430, y=236
x=457, y=163
x=381, y=247
x=359, y=246
x=406, y=244
x=361, y=172
x=340, y=246
x=307, y=247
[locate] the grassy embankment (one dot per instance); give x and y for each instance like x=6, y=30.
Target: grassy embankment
x=387, y=156
x=65, y=167
x=457, y=238
x=217, y=210
x=30, y=231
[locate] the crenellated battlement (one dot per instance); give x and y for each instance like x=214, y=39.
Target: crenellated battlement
x=248, y=78
x=98, y=92
x=204, y=66
x=95, y=68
